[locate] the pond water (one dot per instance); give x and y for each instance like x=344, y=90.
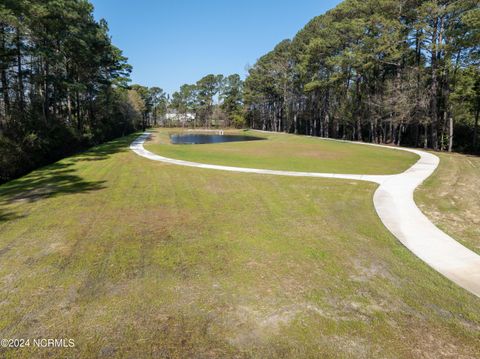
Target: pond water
x=197, y=138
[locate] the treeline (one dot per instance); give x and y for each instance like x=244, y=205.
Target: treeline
x=63, y=83
x=214, y=99
x=385, y=71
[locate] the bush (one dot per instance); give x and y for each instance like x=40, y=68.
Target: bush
x=238, y=121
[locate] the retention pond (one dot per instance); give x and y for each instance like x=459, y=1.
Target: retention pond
x=197, y=138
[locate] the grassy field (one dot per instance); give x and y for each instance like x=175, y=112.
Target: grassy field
x=134, y=258
x=451, y=198
x=287, y=152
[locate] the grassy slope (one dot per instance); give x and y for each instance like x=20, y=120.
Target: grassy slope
x=288, y=152
x=451, y=198
x=134, y=257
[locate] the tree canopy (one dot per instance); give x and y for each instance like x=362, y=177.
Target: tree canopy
x=375, y=70
x=63, y=83
x=212, y=98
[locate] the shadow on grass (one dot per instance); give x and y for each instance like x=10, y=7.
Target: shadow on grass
x=8, y=216
x=105, y=150
x=57, y=179
x=49, y=181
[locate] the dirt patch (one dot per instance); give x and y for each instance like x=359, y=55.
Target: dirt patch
x=366, y=272
x=352, y=346
x=5, y=249
x=252, y=325
x=432, y=346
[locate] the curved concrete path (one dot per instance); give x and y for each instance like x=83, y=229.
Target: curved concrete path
x=395, y=206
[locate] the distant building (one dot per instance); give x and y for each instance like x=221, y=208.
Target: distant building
x=175, y=118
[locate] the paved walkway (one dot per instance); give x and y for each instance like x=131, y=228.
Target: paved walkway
x=395, y=206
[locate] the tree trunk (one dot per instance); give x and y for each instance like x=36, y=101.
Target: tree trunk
x=392, y=134
x=6, y=98
x=21, y=93
x=357, y=121
x=46, y=95
x=264, y=119
x=475, y=128
x=69, y=107
x=450, y=134
x=327, y=117
x=416, y=134
x=425, y=140
x=79, y=114
x=418, y=56
x=434, y=89
x=327, y=126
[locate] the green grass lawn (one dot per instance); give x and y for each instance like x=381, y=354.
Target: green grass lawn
x=287, y=152
x=135, y=258
x=451, y=198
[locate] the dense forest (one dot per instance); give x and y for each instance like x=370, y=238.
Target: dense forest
x=386, y=71
x=64, y=85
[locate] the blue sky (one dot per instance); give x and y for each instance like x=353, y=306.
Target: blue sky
x=170, y=43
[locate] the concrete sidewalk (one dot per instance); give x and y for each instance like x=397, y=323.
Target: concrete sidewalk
x=395, y=205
